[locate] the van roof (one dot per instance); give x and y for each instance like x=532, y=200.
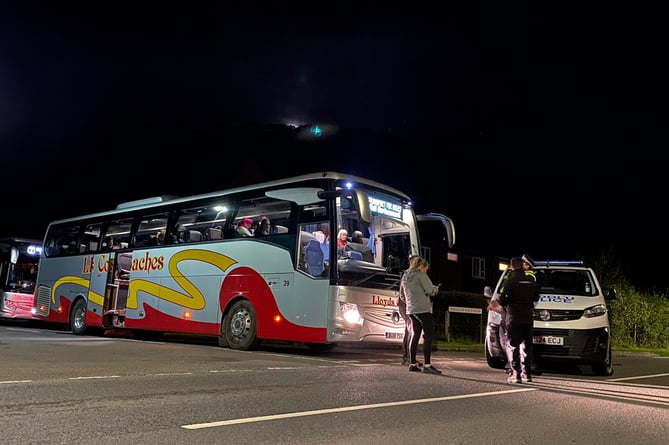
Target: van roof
x=558, y=263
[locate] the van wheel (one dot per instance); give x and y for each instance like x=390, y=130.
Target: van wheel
x=78, y=318
x=241, y=326
x=494, y=362
x=605, y=368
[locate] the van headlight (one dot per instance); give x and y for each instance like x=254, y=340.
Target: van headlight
x=595, y=311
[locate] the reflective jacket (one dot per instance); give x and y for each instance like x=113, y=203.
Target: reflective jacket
x=518, y=297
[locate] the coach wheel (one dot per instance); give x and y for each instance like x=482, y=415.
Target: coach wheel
x=78, y=318
x=605, y=368
x=241, y=326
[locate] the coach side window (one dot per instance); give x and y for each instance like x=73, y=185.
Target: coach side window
x=91, y=239
x=120, y=230
x=151, y=230
x=252, y=212
x=62, y=240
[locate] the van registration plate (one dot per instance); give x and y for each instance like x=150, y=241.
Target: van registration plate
x=548, y=340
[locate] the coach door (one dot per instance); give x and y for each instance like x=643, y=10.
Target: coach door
x=110, y=279
x=116, y=282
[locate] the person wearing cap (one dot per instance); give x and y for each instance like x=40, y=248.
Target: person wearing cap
x=528, y=265
x=402, y=308
x=518, y=297
x=244, y=226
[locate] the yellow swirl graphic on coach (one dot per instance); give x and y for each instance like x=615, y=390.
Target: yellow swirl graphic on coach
x=191, y=298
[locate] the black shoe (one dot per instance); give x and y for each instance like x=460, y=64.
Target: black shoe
x=414, y=368
x=431, y=370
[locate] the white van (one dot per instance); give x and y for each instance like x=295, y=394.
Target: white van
x=571, y=322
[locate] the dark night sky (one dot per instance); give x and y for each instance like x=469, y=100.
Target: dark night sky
x=537, y=129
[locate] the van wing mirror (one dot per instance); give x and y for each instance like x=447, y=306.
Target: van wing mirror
x=487, y=291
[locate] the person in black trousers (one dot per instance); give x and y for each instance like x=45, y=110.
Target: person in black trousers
x=419, y=290
x=518, y=297
x=402, y=308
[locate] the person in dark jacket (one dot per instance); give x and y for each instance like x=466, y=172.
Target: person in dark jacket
x=528, y=268
x=518, y=298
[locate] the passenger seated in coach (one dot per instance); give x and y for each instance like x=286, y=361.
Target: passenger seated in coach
x=178, y=236
x=263, y=229
x=357, y=237
x=108, y=244
x=272, y=229
x=254, y=227
x=159, y=239
x=243, y=228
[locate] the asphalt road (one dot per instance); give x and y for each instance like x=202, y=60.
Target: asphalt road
x=59, y=388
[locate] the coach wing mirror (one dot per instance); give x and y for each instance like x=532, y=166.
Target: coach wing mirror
x=487, y=291
x=363, y=205
x=450, y=230
x=360, y=199
x=298, y=195
x=14, y=255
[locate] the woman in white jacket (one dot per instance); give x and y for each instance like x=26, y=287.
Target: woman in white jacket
x=419, y=289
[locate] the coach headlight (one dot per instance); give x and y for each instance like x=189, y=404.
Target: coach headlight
x=350, y=313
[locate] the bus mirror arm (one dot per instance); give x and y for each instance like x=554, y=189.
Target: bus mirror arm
x=330, y=194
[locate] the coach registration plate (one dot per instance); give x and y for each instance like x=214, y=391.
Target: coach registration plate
x=547, y=340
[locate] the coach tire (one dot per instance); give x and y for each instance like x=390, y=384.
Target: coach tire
x=605, y=368
x=222, y=340
x=78, y=318
x=241, y=326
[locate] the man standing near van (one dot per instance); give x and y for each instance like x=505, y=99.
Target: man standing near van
x=518, y=298
x=528, y=266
